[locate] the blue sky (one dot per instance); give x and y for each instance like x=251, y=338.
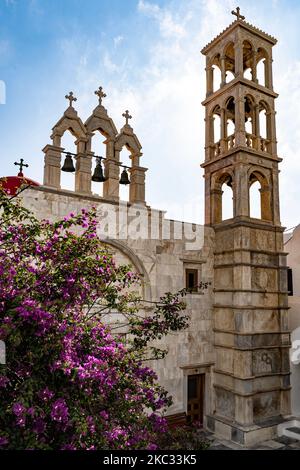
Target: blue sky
x=146, y=55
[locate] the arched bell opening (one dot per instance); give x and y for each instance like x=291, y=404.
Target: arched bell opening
x=262, y=67
x=250, y=122
x=259, y=197
x=215, y=131
x=98, y=147
x=265, y=127
x=125, y=159
x=227, y=200
x=67, y=178
x=222, y=199
x=216, y=71
x=230, y=123
x=229, y=62
x=247, y=60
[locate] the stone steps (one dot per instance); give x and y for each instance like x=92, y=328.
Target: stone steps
x=290, y=429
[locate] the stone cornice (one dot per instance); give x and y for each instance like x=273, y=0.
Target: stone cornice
x=243, y=24
x=248, y=150
x=241, y=81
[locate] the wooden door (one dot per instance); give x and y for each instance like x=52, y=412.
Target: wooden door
x=195, y=408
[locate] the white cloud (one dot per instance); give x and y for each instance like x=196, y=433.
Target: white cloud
x=168, y=24
x=118, y=40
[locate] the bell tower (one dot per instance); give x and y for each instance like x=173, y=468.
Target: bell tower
x=251, y=338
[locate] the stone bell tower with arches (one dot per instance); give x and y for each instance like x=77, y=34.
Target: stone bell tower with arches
x=251, y=338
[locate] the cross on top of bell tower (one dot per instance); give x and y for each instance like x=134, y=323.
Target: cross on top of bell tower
x=71, y=98
x=100, y=93
x=237, y=14
x=127, y=116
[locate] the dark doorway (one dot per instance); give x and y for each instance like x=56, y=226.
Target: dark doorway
x=195, y=408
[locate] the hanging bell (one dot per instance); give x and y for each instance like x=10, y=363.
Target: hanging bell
x=98, y=172
x=124, y=177
x=68, y=165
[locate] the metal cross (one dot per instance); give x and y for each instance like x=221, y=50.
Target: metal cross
x=21, y=165
x=237, y=14
x=127, y=116
x=100, y=94
x=71, y=98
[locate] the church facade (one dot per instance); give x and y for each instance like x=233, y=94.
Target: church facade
x=230, y=368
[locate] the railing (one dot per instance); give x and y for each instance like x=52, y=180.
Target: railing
x=230, y=142
x=251, y=141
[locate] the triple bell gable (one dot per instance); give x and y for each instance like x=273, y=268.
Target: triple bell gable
x=99, y=121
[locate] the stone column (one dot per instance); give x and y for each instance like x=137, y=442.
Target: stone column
x=52, y=167
x=137, y=185
x=268, y=73
x=240, y=133
x=238, y=72
x=83, y=168
x=207, y=135
x=209, y=78
x=207, y=205
x=112, y=171
x=216, y=205
x=223, y=71
x=275, y=197
x=254, y=67
x=257, y=127
x=271, y=132
x=223, y=130
x=241, y=191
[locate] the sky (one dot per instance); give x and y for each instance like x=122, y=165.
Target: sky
x=146, y=56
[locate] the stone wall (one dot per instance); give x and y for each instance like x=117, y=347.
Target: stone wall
x=162, y=260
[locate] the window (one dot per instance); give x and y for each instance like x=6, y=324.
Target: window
x=290, y=281
x=191, y=279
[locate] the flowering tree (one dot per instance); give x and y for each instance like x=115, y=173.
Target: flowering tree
x=68, y=382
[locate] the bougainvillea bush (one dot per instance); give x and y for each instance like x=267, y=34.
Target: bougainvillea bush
x=68, y=381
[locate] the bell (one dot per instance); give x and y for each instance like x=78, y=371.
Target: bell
x=124, y=177
x=98, y=173
x=68, y=165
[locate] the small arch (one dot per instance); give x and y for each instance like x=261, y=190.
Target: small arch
x=99, y=148
x=227, y=200
x=216, y=116
x=259, y=196
x=250, y=121
x=217, y=76
x=230, y=122
x=265, y=126
x=125, y=158
x=222, y=198
x=247, y=59
x=68, y=142
x=254, y=200
x=262, y=66
x=229, y=54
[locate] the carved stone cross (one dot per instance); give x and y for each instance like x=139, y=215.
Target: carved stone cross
x=100, y=94
x=21, y=164
x=127, y=116
x=237, y=14
x=71, y=98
